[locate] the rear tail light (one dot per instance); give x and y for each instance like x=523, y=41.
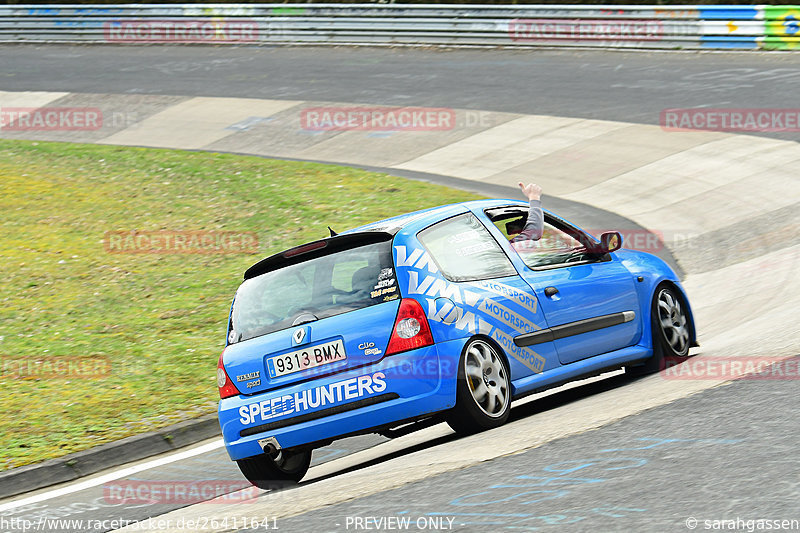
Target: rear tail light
x=410, y=329
x=226, y=386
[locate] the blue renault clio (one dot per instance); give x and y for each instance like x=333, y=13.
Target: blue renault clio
x=434, y=315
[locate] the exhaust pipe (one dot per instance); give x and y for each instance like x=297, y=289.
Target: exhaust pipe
x=271, y=447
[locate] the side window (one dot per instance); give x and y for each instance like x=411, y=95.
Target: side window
x=554, y=248
x=464, y=250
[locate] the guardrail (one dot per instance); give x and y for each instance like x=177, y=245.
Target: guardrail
x=652, y=27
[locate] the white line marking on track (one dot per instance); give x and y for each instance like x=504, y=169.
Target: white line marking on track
x=116, y=474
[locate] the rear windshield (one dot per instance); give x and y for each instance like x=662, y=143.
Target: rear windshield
x=321, y=287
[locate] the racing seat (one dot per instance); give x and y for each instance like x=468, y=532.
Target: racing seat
x=363, y=281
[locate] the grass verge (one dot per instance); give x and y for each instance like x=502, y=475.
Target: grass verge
x=97, y=346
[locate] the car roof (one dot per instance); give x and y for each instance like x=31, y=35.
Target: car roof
x=425, y=217
x=375, y=232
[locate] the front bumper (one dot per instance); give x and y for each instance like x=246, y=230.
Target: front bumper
x=399, y=387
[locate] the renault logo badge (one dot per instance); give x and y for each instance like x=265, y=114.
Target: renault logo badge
x=299, y=335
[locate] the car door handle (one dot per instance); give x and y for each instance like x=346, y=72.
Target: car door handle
x=550, y=291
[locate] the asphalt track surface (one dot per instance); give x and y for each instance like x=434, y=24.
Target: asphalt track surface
x=724, y=453
x=716, y=455
x=623, y=86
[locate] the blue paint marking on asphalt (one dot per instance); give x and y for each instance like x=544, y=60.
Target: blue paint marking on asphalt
x=327, y=454
x=565, y=483
x=249, y=122
x=546, y=495
x=659, y=442
x=586, y=463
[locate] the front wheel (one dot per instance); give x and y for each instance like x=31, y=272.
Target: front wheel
x=670, y=328
x=267, y=473
x=483, y=391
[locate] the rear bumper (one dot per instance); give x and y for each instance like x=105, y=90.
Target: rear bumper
x=399, y=387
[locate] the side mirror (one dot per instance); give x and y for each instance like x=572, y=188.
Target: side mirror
x=610, y=241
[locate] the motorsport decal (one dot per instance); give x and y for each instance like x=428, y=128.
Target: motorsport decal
x=525, y=300
x=529, y=358
x=320, y=396
x=507, y=316
x=467, y=307
x=386, y=285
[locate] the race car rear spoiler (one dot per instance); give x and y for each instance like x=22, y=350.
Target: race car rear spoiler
x=315, y=249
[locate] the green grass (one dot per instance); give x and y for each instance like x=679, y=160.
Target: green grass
x=158, y=319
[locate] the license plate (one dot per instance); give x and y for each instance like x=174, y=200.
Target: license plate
x=309, y=357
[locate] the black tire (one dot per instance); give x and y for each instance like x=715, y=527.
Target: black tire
x=267, y=473
x=670, y=328
x=483, y=391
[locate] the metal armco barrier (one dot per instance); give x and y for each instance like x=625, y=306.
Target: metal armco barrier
x=654, y=27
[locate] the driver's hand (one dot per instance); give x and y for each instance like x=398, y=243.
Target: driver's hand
x=531, y=191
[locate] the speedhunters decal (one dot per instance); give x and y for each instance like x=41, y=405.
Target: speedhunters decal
x=471, y=306
x=313, y=398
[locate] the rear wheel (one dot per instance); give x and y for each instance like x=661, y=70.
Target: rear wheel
x=670, y=328
x=267, y=473
x=483, y=392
